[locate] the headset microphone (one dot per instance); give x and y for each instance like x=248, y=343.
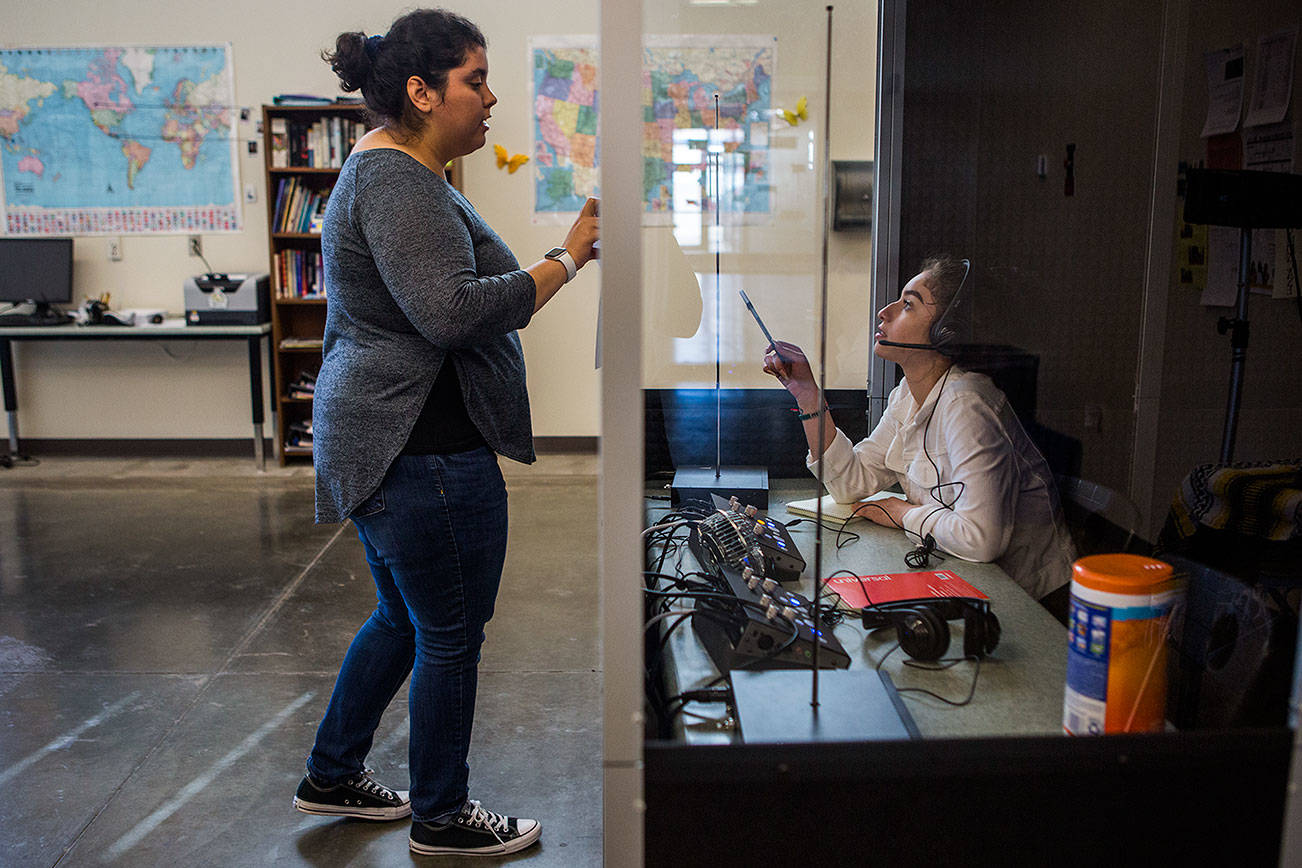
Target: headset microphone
x=885, y=343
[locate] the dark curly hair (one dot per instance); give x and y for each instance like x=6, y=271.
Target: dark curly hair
x=426, y=43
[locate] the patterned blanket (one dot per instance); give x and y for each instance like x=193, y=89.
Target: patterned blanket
x=1262, y=500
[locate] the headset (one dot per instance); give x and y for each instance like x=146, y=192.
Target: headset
x=922, y=629
x=943, y=336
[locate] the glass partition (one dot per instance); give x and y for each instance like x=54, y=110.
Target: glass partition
x=1064, y=278
x=756, y=228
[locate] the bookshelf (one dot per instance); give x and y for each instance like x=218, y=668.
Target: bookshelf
x=305, y=147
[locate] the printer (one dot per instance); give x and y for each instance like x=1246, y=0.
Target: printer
x=228, y=299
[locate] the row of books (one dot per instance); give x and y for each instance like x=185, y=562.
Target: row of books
x=299, y=274
x=322, y=144
x=299, y=435
x=299, y=208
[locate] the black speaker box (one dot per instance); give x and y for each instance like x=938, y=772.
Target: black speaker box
x=1225, y=197
x=1231, y=654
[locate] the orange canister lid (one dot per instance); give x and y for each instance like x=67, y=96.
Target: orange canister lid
x=1121, y=574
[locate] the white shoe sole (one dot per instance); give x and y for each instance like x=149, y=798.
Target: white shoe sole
x=513, y=846
x=358, y=813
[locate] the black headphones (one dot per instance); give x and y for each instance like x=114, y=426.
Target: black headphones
x=922, y=631
x=943, y=331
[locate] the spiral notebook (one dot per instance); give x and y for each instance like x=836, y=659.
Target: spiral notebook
x=832, y=509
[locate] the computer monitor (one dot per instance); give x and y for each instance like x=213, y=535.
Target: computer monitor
x=37, y=270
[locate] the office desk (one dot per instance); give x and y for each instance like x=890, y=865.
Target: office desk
x=251, y=334
x=1020, y=686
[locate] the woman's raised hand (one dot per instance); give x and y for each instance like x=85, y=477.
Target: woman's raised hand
x=584, y=233
x=787, y=362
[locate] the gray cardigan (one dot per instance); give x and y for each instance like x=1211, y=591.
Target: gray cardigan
x=416, y=278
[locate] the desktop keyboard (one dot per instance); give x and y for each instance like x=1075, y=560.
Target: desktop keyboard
x=32, y=319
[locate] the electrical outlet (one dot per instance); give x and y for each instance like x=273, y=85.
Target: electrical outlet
x=115, y=249
x=1094, y=418
x=196, y=245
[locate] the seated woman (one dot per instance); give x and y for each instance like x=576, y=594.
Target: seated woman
x=972, y=479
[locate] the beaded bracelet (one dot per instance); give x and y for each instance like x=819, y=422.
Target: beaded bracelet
x=803, y=417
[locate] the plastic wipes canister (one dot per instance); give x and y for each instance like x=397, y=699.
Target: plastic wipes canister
x=1116, y=659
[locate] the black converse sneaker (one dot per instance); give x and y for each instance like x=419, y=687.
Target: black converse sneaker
x=475, y=832
x=359, y=796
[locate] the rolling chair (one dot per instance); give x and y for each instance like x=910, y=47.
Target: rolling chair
x=1100, y=519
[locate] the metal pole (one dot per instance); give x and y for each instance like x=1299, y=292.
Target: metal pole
x=822, y=355
x=1238, y=329
x=718, y=306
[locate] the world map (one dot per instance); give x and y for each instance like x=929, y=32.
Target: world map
x=680, y=81
x=126, y=139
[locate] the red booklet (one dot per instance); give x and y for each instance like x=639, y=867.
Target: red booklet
x=860, y=591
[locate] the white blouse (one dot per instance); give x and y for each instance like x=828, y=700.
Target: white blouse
x=986, y=492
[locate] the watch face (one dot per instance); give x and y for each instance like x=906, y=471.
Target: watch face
x=553, y=253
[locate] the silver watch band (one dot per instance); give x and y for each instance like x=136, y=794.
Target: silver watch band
x=565, y=259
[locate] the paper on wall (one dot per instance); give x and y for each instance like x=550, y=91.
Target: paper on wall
x=1285, y=284
x=1272, y=82
x=1191, y=254
x=1222, y=267
x=1224, y=90
x=1223, y=255
x=1269, y=148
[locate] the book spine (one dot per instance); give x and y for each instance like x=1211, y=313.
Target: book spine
x=279, y=143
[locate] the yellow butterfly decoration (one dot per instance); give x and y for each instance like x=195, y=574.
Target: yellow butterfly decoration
x=510, y=163
x=800, y=114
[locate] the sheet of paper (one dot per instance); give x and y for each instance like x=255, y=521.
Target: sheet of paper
x=1223, y=252
x=1224, y=90
x=1285, y=285
x=1262, y=271
x=1269, y=148
x=1272, y=81
x=1222, y=267
x=1191, y=254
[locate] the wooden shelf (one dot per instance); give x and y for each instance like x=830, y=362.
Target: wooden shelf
x=297, y=317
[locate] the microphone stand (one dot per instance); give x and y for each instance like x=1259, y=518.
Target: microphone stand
x=1237, y=326
x=749, y=484
x=822, y=366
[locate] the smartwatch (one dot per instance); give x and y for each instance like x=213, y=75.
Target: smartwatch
x=561, y=255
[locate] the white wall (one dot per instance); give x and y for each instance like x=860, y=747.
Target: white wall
x=187, y=390
x=201, y=390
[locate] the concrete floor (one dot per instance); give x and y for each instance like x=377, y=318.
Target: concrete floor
x=170, y=631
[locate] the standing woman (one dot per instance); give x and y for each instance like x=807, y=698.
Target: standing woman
x=422, y=385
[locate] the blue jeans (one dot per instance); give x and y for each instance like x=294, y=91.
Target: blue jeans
x=435, y=539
